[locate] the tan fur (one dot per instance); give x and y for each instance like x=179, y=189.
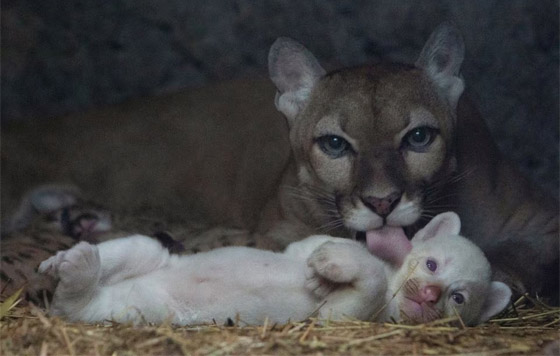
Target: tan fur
x=179, y=156
x=220, y=155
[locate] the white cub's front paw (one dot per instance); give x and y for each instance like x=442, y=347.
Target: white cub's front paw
x=77, y=268
x=332, y=264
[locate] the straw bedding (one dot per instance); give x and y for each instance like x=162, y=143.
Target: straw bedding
x=528, y=327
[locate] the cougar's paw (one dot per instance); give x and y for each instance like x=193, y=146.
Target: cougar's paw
x=334, y=262
x=77, y=268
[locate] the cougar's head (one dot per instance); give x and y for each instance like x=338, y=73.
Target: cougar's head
x=370, y=142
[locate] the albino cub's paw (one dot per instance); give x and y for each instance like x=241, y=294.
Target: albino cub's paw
x=320, y=287
x=48, y=266
x=77, y=268
x=332, y=264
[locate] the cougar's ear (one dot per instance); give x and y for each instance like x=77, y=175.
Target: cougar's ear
x=498, y=297
x=441, y=60
x=445, y=223
x=294, y=71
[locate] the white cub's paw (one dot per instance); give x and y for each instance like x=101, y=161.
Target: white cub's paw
x=77, y=268
x=332, y=264
x=48, y=266
x=320, y=287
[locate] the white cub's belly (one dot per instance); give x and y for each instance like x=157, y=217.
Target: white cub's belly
x=234, y=282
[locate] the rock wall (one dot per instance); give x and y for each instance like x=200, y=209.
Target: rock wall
x=60, y=56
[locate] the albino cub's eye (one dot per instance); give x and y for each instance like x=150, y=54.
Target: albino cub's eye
x=420, y=138
x=334, y=146
x=458, y=297
x=432, y=265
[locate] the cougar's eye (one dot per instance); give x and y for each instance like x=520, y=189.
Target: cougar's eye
x=458, y=297
x=419, y=138
x=334, y=146
x=432, y=265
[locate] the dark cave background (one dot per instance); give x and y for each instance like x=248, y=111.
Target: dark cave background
x=61, y=56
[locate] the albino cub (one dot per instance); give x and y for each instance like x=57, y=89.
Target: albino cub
x=134, y=279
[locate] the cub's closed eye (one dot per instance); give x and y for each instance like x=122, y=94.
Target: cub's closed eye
x=419, y=138
x=334, y=146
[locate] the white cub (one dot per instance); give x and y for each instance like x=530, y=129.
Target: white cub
x=443, y=275
x=135, y=279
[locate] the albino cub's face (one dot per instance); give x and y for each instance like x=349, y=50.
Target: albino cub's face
x=372, y=143
x=446, y=275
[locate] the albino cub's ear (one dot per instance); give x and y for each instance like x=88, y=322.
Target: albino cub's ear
x=443, y=224
x=294, y=71
x=499, y=295
x=441, y=60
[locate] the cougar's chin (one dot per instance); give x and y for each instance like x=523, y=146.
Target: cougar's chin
x=362, y=218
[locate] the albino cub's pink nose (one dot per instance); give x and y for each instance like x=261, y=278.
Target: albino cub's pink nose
x=430, y=294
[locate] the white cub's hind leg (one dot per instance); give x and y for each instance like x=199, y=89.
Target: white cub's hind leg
x=130, y=257
x=78, y=270
x=85, y=271
x=350, y=280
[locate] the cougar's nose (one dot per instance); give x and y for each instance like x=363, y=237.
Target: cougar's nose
x=382, y=206
x=430, y=294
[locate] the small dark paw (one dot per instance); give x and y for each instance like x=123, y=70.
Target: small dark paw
x=167, y=241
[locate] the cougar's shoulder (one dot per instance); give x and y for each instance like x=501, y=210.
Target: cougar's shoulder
x=511, y=219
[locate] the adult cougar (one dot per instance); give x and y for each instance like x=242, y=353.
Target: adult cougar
x=383, y=146
x=368, y=150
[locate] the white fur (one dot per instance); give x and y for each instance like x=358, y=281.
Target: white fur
x=461, y=267
x=362, y=218
x=135, y=279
